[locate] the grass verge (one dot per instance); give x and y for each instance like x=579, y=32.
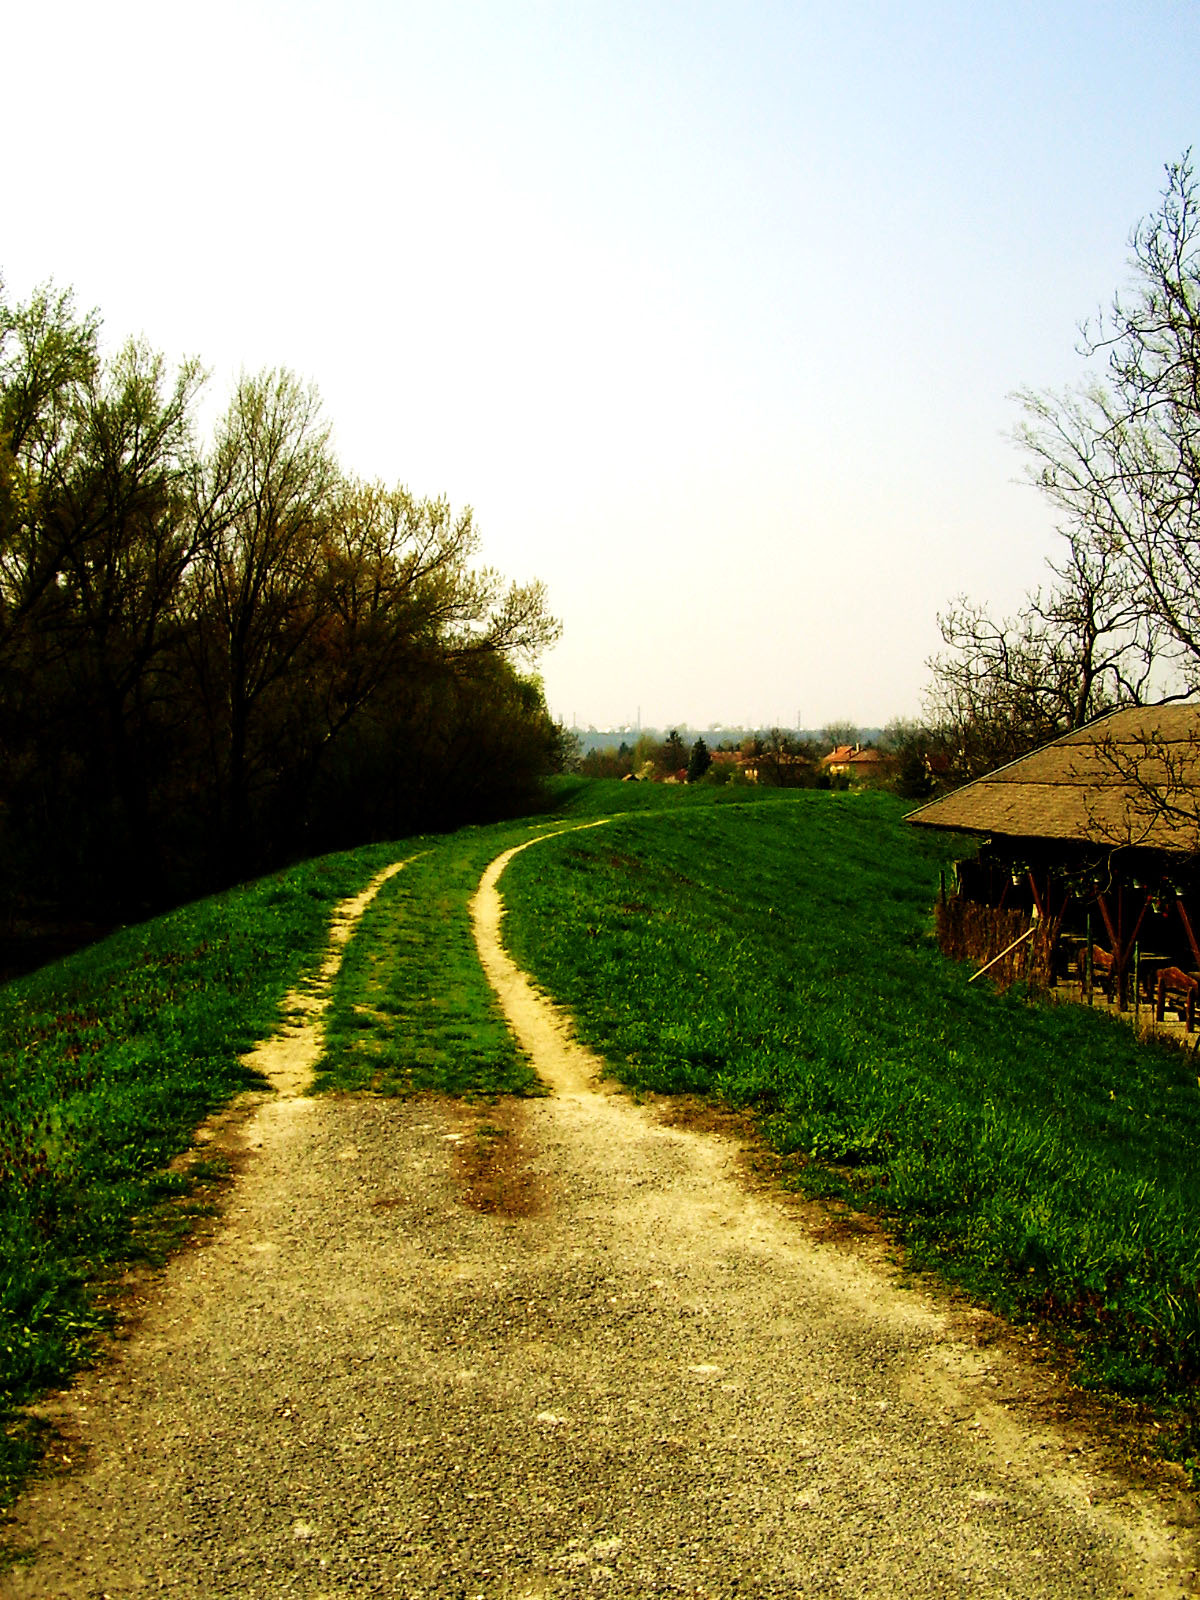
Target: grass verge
x=780, y=958
x=108, y=1061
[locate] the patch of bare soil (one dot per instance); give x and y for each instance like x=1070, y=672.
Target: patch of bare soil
x=560, y=1350
x=493, y=1162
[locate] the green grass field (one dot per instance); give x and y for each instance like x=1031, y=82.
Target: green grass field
x=772, y=950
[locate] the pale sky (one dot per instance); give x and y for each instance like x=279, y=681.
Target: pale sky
x=712, y=311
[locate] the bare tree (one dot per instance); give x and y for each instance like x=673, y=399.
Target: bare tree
x=1159, y=778
x=1081, y=648
x=1119, y=456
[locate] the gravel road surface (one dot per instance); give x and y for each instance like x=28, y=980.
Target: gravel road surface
x=560, y=1348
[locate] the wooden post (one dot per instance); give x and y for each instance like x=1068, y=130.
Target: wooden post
x=1137, y=984
x=1114, y=938
x=1188, y=929
x=1087, y=963
x=1037, y=899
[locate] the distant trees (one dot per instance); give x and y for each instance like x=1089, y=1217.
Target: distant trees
x=916, y=757
x=610, y=761
x=699, y=761
x=214, y=657
x=1119, y=458
x=781, y=759
x=674, y=756
x=650, y=759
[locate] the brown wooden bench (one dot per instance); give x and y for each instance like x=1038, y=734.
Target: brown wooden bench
x=1178, y=987
x=1102, y=968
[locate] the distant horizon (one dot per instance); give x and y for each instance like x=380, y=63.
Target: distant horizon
x=797, y=726
x=866, y=733
x=745, y=727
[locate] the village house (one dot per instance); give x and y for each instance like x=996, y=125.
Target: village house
x=858, y=763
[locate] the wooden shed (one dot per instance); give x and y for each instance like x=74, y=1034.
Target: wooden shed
x=1092, y=841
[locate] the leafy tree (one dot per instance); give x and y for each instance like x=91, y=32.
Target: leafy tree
x=94, y=539
x=262, y=506
x=212, y=659
x=47, y=353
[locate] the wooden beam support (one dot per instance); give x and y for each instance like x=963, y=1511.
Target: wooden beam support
x=1188, y=929
x=1141, y=917
x=1120, y=955
x=1037, y=899
x=1106, y=914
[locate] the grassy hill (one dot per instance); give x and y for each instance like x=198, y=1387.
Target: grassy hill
x=781, y=957
x=770, y=950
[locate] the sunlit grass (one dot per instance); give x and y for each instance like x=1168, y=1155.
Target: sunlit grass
x=412, y=1011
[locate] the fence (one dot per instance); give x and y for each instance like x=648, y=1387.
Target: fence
x=968, y=931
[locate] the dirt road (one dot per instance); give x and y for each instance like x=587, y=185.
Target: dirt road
x=560, y=1348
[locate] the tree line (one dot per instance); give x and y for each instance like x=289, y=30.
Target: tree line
x=215, y=656
x=1118, y=456
x=779, y=758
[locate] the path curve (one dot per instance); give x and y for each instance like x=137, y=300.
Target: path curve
x=557, y=1349
x=543, y=1031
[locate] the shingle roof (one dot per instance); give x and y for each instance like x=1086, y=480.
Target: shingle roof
x=850, y=755
x=1095, y=785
